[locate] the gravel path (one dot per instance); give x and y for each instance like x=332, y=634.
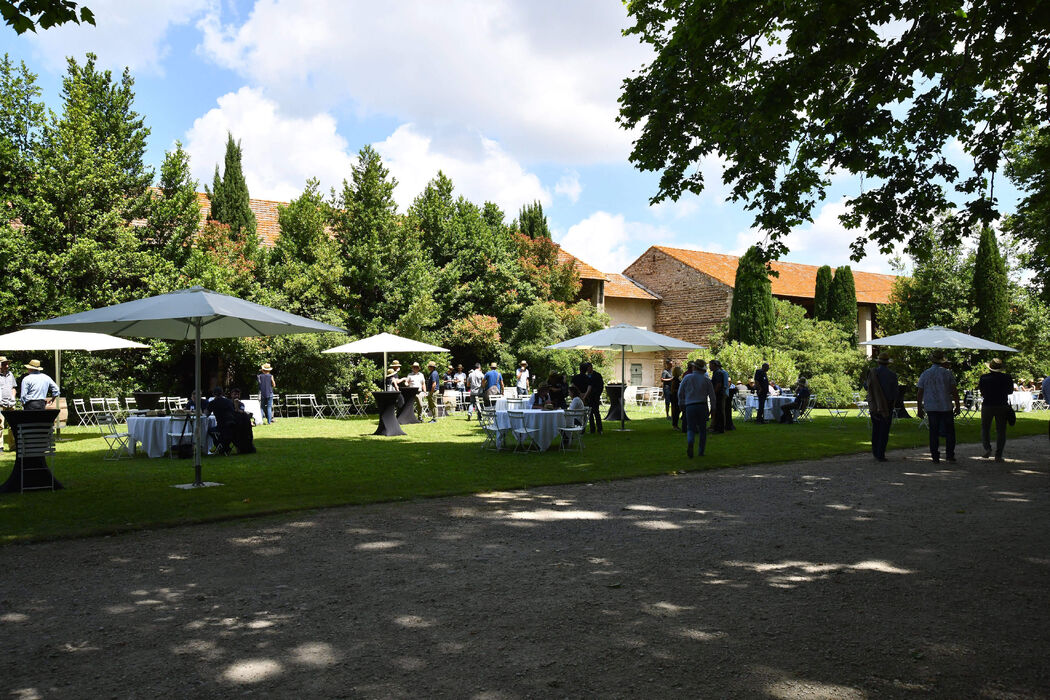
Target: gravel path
x=837, y=578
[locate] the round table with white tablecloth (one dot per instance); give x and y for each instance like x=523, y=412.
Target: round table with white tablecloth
x=773, y=404
x=152, y=433
x=1021, y=400
x=253, y=407
x=547, y=423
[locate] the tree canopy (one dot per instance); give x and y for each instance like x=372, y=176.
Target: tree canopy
x=790, y=93
x=26, y=15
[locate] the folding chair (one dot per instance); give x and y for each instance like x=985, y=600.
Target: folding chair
x=357, y=406
x=180, y=431
x=83, y=412
x=494, y=435
x=130, y=404
x=971, y=407
x=36, y=441
x=119, y=444
x=336, y=407
x=572, y=431
x=862, y=406
x=656, y=398
x=740, y=406
x=524, y=438
x=806, y=413
x=114, y=408
x=836, y=412
x=309, y=402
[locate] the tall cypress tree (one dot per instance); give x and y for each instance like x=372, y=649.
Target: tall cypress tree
x=532, y=222
x=230, y=199
x=215, y=197
x=990, y=295
x=751, y=315
x=842, y=303
x=822, y=294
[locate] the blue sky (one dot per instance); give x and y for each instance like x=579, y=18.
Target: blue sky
x=514, y=100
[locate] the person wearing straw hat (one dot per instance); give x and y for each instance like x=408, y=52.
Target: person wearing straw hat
x=8, y=388
x=35, y=388
x=266, y=387
x=882, y=397
x=522, y=375
x=937, y=391
x=433, y=387
x=995, y=388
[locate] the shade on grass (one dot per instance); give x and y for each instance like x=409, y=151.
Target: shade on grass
x=306, y=463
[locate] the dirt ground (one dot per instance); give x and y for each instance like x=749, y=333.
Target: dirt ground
x=837, y=578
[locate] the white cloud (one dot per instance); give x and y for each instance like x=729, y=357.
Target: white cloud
x=128, y=33
x=481, y=171
x=608, y=241
x=541, y=78
x=279, y=152
x=569, y=186
x=827, y=242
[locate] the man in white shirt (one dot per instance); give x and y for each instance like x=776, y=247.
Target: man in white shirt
x=474, y=381
x=8, y=384
x=416, y=379
x=523, y=379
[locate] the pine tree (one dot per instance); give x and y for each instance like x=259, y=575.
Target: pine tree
x=532, y=222
x=990, y=293
x=216, y=197
x=821, y=294
x=751, y=315
x=842, y=301
x=230, y=199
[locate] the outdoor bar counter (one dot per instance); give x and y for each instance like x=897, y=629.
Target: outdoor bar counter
x=386, y=403
x=38, y=475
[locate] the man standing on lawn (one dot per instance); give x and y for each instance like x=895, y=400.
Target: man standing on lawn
x=474, y=381
x=35, y=388
x=1046, y=398
x=416, y=379
x=882, y=397
x=665, y=382
x=695, y=395
x=433, y=386
x=492, y=386
x=7, y=393
x=937, y=391
x=523, y=377
x=762, y=389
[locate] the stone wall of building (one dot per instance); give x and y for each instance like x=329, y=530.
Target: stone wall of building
x=693, y=303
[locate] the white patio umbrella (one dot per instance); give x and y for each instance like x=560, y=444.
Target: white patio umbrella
x=195, y=313
x=938, y=337
x=384, y=343
x=624, y=337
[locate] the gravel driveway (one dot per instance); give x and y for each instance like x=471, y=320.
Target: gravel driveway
x=837, y=578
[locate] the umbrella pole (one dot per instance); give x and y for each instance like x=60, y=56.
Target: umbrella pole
x=197, y=406
x=623, y=378
x=58, y=399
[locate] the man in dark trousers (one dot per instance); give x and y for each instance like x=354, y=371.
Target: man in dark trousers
x=882, y=397
x=225, y=419
x=720, y=380
x=762, y=389
x=595, y=386
x=665, y=382
x=995, y=388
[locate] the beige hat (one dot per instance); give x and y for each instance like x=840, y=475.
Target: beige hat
x=34, y=365
x=390, y=372
x=395, y=364
x=884, y=358
x=524, y=363
x=415, y=364
x=431, y=364
x=996, y=365
x=266, y=367
x=3, y=359
x=493, y=365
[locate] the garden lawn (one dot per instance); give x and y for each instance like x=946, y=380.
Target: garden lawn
x=307, y=463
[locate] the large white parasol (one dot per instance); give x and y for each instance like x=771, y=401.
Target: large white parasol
x=384, y=343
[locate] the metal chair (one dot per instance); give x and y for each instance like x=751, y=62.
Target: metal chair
x=336, y=406
x=119, y=444
x=114, y=408
x=806, y=414
x=572, y=431
x=524, y=438
x=83, y=412
x=180, y=430
x=357, y=406
x=836, y=412
x=862, y=406
x=494, y=435
x=36, y=440
x=309, y=402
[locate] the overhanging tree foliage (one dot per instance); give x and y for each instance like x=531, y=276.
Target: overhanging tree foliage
x=990, y=293
x=751, y=316
x=26, y=15
x=1029, y=169
x=821, y=294
x=789, y=92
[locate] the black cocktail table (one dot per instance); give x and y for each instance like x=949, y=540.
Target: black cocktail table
x=616, y=409
x=407, y=414
x=40, y=476
x=386, y=402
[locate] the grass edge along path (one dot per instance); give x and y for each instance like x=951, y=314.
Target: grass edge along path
x=305, y=464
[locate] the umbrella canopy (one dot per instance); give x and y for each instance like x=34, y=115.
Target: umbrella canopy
x=195, y=313
x=624, y=337
x=939, y=337
x=384, y=343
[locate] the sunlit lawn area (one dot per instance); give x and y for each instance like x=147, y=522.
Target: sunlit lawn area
x=309, y=463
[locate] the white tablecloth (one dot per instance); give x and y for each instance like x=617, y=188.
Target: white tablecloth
x=253, y=407
x=546, y=422
x=500, y=404
x=773, y=404
x=152, y=433
x=1021, y=400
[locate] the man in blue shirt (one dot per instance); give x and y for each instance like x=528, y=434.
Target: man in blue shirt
x=937, y=390
x=35, y=388
x=695, y=394
x=492, y=385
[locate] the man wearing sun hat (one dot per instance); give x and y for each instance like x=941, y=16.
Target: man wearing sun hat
x=937, y=391
x=433, y=386
x=882, y=396
x=35, y=388
x=995, y=387
x=266, y=387
x=8, y=385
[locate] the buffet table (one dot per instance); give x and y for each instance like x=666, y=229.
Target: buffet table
x=773, y=404
x=152, y=433
x=1021, y=400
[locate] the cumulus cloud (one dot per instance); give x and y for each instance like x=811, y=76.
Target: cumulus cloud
x=569, y=186
x=542, y=78
x=279, y=152
x=827, y=242
x=608, y=241
x=128, y=33
x=481, y=171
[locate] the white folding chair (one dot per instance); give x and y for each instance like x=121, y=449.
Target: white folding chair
x=96, y=407
x=180, y=432
x=357, y=405
x=572, y=431
x=130, y=404
x=805, y=414
x=117, y=442
x=494, y=436
x=836, y=412
x=36, y=440
x=310, y=403
x=524, y=437
x=114, y=408
x=83, y=412
x=336, y=407
x=862, y=406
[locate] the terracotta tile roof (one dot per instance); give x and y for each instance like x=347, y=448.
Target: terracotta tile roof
x=585, y=271
x=795, y=280
x=623, y=287
x=265, y=212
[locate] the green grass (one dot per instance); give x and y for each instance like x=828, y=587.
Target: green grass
x=305, y=463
